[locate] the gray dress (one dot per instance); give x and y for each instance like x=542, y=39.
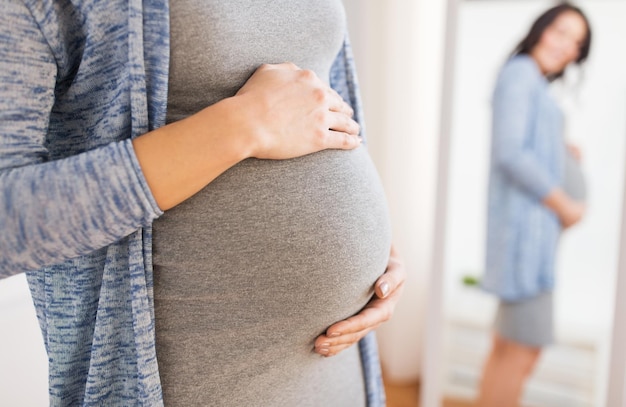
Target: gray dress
x=531, y=322
x=249, y=271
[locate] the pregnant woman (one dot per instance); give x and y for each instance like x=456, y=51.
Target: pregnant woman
x=275, y=223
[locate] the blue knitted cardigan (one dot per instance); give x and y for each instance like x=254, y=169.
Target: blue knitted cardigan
x=78, y=81
x=527, y=162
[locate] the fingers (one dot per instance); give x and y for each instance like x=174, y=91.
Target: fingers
x=375, y=313
x=341, y=122
x=285, y=65
x=340, y=140
x=285, y=100
x=348, y=332
x=394, y=277
x=325, y=94
x=343, y=130
x=325, y=347
x=337, y=104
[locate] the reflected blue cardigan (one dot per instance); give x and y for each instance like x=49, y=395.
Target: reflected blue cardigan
x=527, y=162
x=78, y=81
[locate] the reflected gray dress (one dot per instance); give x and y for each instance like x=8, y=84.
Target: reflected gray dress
x=531, y=321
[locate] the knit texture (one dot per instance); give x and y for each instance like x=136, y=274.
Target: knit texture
x=527, y=162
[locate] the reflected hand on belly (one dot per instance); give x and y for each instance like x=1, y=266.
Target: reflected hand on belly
x=346, y=333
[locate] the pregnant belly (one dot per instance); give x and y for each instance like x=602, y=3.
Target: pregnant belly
x=305, y=237
x=268, y=256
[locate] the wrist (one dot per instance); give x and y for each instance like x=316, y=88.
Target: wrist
x=241, y=128
x=229, y=129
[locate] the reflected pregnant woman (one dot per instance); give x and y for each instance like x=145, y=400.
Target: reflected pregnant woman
x=535, y=192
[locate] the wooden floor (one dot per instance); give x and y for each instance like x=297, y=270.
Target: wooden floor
x=407, y=395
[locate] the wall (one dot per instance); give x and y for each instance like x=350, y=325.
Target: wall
x=23, y=361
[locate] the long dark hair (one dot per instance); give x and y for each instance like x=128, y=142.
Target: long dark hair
x=543, y=22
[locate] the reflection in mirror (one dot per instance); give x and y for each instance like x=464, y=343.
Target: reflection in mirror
x=573, y=370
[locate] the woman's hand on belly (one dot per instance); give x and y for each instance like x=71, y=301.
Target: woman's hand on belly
x=346, y=333
x=281, y=112
x=281, y=100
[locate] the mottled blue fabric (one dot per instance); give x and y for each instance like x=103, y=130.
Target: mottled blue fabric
x=527, y=162
x=79, y=80
x=343, y=79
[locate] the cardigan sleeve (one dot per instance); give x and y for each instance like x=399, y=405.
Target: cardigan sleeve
x=54, y=210
x=512, y=119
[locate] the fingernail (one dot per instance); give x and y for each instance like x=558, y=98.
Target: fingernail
x=334, y=335
x=323, y=350
x=384, y=288
x=325, y=345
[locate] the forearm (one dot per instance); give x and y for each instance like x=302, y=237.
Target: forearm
x=522, y=169
x=181, y=158
x=513, y=122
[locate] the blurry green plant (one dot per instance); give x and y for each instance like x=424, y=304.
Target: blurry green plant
x=470, y=280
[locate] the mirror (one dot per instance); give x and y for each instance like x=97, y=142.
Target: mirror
x=575, y=370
